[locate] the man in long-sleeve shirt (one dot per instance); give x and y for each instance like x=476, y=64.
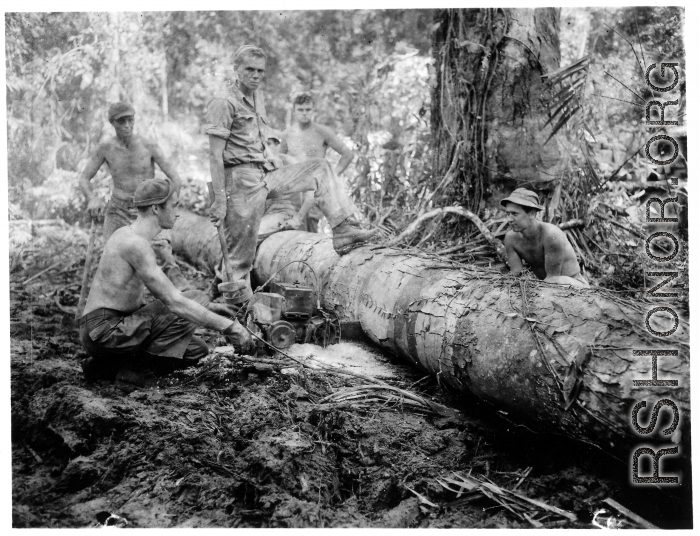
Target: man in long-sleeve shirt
x=244, y=172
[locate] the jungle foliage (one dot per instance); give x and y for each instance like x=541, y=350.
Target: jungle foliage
x=430, y=100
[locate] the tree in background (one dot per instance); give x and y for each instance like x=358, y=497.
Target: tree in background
x=486, y=112
x=459, y=123
x=63, y=69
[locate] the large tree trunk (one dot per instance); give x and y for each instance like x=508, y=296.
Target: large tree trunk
x=557, y=355
x=486, y=113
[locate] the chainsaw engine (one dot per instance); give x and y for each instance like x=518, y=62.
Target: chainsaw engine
x=286, y=313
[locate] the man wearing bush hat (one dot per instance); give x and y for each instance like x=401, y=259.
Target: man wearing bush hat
x=244, y=171
x=541, y=246
x=131, y=343
x=131, y=160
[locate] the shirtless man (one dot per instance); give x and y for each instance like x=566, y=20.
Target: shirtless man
x=131, y=160
x=306, y=139
x=542, y=246
x=123, y=338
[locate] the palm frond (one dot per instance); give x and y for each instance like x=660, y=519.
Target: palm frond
x=564, y=92
x=563, y=98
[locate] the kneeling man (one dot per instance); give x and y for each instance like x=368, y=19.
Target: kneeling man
x=541, y=246
x=122, y=337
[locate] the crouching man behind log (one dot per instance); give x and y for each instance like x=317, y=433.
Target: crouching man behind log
x=127, y=341
x=540, y=245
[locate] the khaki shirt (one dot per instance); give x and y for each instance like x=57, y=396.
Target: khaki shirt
x=243, y=124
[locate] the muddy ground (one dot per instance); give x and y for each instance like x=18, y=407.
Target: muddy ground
x=233, y=443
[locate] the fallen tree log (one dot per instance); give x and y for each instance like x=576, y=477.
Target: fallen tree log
x=556, y=355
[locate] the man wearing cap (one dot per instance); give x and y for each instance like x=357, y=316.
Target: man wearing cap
x=131, y=342
x=540, y=245
x=306, y=139
x=131, y=160
x=244, y=171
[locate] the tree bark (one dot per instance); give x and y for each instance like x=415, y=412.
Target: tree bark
x=485, y=105
x=551, y=354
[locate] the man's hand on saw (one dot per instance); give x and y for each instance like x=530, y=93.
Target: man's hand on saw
x=95, y=208
x=239, y=337
x=217, y=212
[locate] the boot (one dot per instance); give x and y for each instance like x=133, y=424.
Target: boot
x=94, y=371
x=129, y=380
x=348, y=235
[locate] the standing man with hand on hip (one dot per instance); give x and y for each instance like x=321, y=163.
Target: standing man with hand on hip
x=306, y=139
x=244, y=172
x=131, y=160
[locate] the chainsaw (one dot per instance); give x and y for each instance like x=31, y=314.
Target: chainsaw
x=288, y=313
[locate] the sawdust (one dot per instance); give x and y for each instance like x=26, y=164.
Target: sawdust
x=352, y=356
x=227, y=444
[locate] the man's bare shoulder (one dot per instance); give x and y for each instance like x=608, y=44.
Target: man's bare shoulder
x=142, y=141
x=127, y=243
x=149, y=143
x=291, y=131
x=323, y=130
x=552, y=232
x=108, y=145
x=511, y=237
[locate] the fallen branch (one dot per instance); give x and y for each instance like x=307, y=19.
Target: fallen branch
x=572, y=224
x=46, y=270
x=57, y=221
x=52, y=267
x=411, y=229
x=567, y=225
x=630, y=514
x=630, y=231
x=520, y=505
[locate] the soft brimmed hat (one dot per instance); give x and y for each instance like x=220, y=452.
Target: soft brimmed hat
x=152, y=192
x=120, y=109
x=523, y=197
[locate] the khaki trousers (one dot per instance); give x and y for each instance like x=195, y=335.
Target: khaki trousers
x=247, y=188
